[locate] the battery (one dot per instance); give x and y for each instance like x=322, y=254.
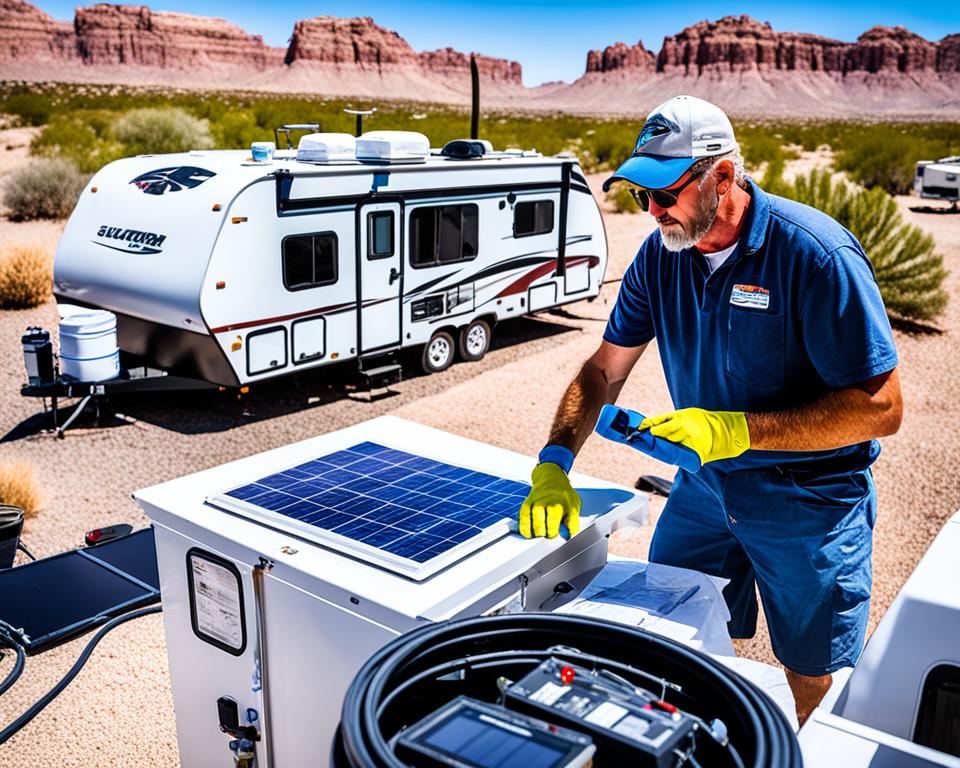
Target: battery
x=628, y=725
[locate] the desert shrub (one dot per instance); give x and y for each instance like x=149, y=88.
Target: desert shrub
x=83, y=137
x=26, y=276
x=883, y=159
x=909, y=271
x=621, y=199
x=19, y=487
x=31, y=108
x=44, y=188
x=238, y=129
x=159, y=131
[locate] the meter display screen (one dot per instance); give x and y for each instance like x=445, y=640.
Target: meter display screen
x=481, y=741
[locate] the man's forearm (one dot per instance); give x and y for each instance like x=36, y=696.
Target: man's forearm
x=580, y=406
x=844, y=417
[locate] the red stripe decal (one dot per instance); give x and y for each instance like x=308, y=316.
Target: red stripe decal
x=521, y=284
x=280, y=318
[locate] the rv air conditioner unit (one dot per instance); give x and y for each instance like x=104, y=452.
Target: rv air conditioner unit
x=323, y=147
x=466, y=149
x=408, y=146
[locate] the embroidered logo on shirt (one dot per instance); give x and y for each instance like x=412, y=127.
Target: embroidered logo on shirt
x=750, y=296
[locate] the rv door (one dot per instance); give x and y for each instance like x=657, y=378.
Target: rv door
x=380, y=275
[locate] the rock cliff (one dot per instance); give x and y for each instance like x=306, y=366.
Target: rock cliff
x=742, y=64
x=622, y=56
x=134, y=35
x=28, y=34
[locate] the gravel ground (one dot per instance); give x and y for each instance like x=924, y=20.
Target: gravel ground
x=118, y=712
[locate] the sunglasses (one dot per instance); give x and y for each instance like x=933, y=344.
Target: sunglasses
x=664, y=198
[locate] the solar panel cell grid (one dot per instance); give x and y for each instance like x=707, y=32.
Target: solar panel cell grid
x=410, y=506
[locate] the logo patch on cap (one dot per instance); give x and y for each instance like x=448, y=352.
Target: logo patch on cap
x=656, y=125
x=750, y=296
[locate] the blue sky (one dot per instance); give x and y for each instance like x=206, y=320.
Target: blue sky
x=550, y=38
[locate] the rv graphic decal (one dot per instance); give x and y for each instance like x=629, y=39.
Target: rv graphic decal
x=130, y=240
x=172, y=179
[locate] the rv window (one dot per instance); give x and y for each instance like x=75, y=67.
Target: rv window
x=534, y=218
x=309, y=260
x=443, y=234
x=380, y=235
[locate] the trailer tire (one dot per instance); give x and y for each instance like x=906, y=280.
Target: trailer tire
x=475, y=340
x=438, y=353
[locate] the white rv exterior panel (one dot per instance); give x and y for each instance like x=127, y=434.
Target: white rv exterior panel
x=323, y=611
x=144, y=253
x=309, y=339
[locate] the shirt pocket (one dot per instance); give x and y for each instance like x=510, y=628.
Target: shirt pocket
x=755, y=347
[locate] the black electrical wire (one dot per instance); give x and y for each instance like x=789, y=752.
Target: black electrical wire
x=50, y=695
x=23, y=548
x=6, y=641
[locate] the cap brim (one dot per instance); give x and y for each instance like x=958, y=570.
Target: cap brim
x=651, y=171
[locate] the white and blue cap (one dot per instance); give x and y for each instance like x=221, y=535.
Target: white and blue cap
x=676, y=134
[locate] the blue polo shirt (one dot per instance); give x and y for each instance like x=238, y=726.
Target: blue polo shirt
x=792, y=314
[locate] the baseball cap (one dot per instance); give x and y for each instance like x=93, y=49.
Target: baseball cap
x=676, y=134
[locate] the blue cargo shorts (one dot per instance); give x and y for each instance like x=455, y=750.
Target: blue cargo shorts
x=804, y=538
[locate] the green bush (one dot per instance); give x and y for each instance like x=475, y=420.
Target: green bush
x=83, y=137
x=622, y=200
x=909, y=271
x=45, y=188
x=160, y=131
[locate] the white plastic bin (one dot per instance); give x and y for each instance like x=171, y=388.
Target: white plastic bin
x=88, y=344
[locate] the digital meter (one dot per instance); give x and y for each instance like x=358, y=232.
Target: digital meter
x=466, y=733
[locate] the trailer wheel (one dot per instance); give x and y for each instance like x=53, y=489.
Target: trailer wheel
x=475, y=340
x=438, y=353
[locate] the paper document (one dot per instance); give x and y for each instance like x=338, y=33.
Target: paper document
x=678, y=603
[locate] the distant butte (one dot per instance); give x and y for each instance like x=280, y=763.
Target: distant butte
x=738, y=62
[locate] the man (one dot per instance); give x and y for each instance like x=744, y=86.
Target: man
x=780, y=360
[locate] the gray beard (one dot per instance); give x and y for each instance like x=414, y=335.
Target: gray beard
x=679, y=237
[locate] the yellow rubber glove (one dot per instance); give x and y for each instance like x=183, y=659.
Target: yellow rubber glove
x=551, y=501
x=712, y=434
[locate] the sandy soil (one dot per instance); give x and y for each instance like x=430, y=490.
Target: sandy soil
x=118, y=712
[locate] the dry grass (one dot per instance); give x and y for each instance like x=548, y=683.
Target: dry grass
x=26, y=276
x=19, y=487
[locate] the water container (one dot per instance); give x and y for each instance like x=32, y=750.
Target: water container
x=37, y=356
x=11, y=525
x=262, y=151
x=88, y=344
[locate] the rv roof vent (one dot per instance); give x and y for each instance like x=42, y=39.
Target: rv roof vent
x=393, y=146
x=466, y=149
x=323, y=147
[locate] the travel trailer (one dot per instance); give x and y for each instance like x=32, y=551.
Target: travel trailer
x=939, y=180
x=235, y=270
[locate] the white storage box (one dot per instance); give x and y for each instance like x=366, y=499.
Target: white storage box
x=323, y=147
x=88, y=344
x=408, y=146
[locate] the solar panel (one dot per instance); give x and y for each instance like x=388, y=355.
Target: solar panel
x=406, y=512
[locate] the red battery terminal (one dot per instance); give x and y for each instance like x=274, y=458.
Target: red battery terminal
x=566, y=675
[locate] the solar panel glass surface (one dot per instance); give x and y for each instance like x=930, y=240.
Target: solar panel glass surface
x=409, y=506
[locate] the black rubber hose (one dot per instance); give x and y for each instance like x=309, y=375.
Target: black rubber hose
x=50, y=695
x=8, y=642
x=709, y=687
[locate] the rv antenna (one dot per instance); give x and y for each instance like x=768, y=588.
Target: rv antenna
x=475, y=98
x=360, y=113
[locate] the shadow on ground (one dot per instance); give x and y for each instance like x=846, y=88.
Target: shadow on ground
x=213, y=411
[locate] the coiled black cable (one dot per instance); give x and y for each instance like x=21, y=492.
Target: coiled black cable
x=6, y=641
x=416, y=673
x=50, y=695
